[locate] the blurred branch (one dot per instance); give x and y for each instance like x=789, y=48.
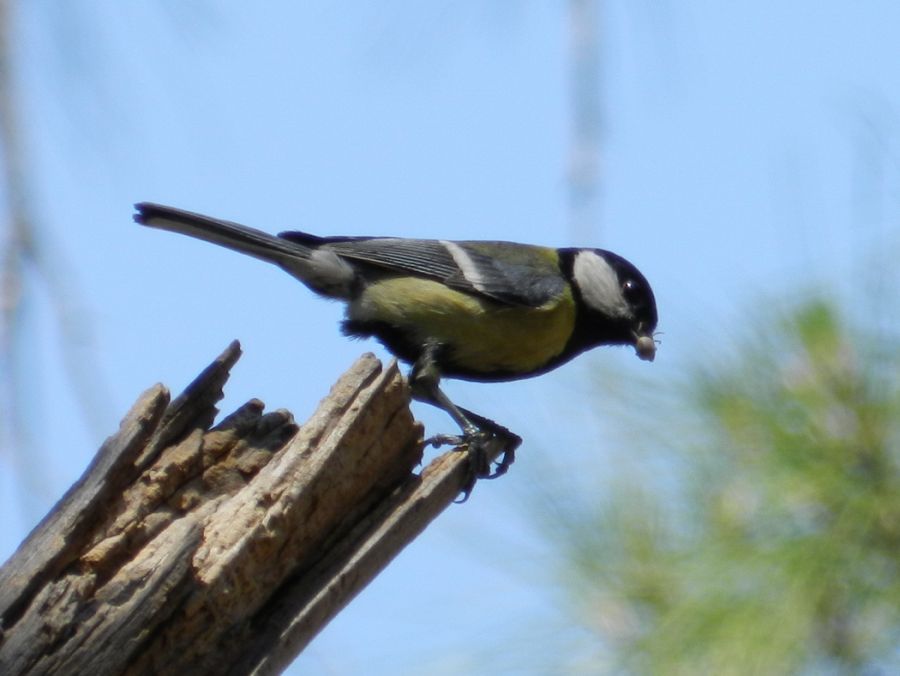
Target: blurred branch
x=26, y=253
x=187, y=548
x=584, y=156
x=18, y=249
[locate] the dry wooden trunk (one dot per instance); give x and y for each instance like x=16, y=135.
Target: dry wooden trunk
x=191, y=549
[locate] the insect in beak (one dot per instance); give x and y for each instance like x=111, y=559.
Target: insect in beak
x=644, y=345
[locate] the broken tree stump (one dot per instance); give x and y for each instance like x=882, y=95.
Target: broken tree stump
x=191, y=549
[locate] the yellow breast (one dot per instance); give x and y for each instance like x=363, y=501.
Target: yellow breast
x=479, y=335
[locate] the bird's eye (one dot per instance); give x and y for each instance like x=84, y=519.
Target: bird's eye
x=633, y=293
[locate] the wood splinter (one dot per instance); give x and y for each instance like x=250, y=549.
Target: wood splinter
x=192, y=548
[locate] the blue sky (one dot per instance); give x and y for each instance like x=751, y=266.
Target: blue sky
x=748, y=149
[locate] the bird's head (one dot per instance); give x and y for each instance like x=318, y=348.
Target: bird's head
x=617, y=300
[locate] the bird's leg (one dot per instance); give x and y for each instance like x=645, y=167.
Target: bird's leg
x=484, y=438
x=508, y=442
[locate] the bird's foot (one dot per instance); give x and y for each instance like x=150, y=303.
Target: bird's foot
x=482, y=444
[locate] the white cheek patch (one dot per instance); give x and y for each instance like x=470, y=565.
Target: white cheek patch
x=465, y=263
x=599, y=284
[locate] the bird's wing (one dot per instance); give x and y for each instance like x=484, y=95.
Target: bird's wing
x=510, y=273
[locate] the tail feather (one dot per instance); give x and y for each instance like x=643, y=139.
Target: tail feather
x=321, y=270
x=224, y=233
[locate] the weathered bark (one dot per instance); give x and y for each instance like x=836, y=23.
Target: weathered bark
x=186, y=548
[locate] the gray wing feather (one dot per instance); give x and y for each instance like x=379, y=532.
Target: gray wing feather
x=425, y=257
x=520, y=276
x=517, y=274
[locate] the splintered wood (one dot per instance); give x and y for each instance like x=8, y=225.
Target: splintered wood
x=186, y=548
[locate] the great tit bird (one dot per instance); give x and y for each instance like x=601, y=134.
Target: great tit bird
x=476, y=310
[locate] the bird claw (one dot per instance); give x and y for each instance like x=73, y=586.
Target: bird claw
x=489, y=441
